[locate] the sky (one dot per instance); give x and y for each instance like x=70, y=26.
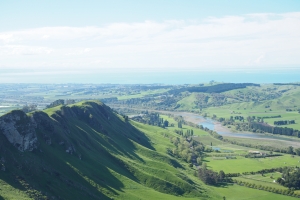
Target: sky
x=133, y=41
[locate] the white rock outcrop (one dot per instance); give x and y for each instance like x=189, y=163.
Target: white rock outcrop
x=19, y=129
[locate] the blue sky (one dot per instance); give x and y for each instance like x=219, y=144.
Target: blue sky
x=43, y=40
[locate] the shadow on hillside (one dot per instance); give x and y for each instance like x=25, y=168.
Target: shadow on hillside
x=96, y=177
x=223, y=185
x=102, y=146
x=9, y=155
x=102, y=139
x=176, y=164
x=118, y=144
x=140, y=137
x=83, y=177
x=1, y=198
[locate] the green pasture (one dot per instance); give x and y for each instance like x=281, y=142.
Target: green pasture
x=208, y=140
x=152, y=165
x=285, y=141
x=242, y=164
x=187, y=103
x=160, y=142
x=295, y=115
x=272, y=107
x=259, y=182
x=141, y=94
x=265, y=178
x=236, y=192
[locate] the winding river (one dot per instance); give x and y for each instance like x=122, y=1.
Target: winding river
x=216, y=126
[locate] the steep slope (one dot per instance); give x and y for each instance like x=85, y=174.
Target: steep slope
x=86, y=151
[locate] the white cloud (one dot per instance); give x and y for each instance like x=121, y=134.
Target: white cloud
x=253, y=41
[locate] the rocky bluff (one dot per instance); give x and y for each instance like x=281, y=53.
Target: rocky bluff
x=19, y=129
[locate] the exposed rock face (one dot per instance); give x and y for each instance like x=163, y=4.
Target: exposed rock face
x=19, y=129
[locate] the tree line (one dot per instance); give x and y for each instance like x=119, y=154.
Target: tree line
x=210, y=177
x=153, y=119
x=288, y=150
x=187, y=149
x=274, y=130
x=287, y=192
x=290, y=178
x=284, y=122
x=256, y=124
x=223, y=87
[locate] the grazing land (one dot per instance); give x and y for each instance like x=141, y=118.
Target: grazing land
x=148, y=142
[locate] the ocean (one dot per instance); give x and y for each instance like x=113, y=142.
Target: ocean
x=149, y=77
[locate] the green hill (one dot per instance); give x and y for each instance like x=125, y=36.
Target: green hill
x=86, y=151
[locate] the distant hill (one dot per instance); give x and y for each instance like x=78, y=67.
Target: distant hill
x=218, y=88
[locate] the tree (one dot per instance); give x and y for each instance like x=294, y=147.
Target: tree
x=208, y=176
x=290, y=150
x=290, y=178
x=166, y=123
x=199, y=161
x=221, y=175
x=126, y=118
x=297, y=151
x=179, y=125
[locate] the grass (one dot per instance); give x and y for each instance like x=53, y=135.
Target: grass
x=264, y=180
x=242, y=164
x=128, y=156
x=197, y=132
x=235, y=192
x=283, y=144
x=120, y=160
x=261, y=182
x=142, y=94
x=7, y=191
x=187, y=103
x=270, y=107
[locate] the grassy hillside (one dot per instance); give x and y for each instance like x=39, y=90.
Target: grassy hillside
x=264, y=101
x=187, y=103
x=86, y=151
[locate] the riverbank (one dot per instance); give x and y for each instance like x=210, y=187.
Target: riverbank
x=219, y=128
x=228, y=133
x=242, y=136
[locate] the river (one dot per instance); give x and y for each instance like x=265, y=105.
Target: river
x=224, y=131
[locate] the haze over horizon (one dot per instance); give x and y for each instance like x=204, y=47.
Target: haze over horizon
x=144, y=42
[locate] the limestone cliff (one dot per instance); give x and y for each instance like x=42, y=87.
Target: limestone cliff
x=19, y=130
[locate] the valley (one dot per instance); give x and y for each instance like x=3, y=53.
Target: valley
x=147, y=142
